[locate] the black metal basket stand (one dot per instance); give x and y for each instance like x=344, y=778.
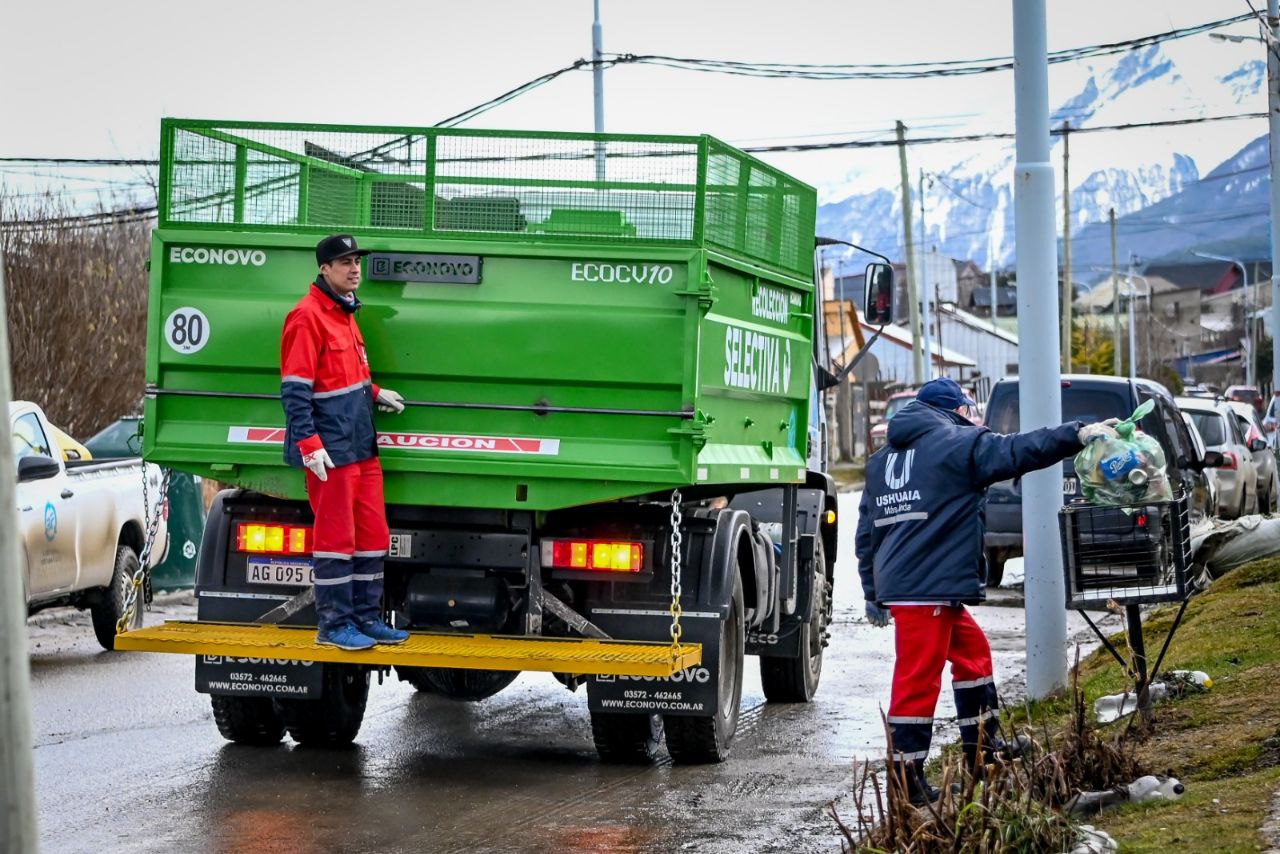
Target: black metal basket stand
x=1130, y=555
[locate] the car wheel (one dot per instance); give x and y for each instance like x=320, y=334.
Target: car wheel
x=109, y=606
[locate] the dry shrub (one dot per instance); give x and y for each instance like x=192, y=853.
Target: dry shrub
x=77, y=301
x=1017, y=806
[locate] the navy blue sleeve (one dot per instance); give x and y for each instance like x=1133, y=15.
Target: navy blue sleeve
x=299, y=356
x=996, y=457
x=864, y=547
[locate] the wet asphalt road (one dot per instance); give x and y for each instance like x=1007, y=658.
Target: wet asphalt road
x=128, y=759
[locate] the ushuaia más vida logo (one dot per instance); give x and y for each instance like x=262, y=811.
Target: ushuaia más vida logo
x=892, y=477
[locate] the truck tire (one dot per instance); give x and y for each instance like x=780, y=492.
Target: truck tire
x=458, y=683
x=995, y=566
x=109, y=605
x=623, y=739
x=701, y=740
x=334, y=719
x=247, y=720
x=795, y=680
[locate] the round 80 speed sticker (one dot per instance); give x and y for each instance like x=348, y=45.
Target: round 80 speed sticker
x=186, y=330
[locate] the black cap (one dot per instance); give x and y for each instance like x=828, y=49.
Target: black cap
x=337, y=246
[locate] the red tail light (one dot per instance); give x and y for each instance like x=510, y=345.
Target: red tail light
x=602, y=555
x=1230, y=461
x=268, y=538
x=1142, y=520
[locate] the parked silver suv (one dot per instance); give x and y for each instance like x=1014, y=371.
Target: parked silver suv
x=1220, y=428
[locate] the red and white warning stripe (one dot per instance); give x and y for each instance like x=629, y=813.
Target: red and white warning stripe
x=418, y=441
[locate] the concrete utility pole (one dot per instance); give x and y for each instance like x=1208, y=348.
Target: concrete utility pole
x=1067, y=292
x=17, y=777
x=1272, y=38
x=913, y=298
x=995, y=288
x=1115, y=301
x=597, y=81
x=922, y=287
x=1039, y=405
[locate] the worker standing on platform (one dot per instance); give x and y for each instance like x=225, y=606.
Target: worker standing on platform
x=329, y=398
x=919, y=548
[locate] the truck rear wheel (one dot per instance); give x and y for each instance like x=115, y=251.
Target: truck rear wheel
x=626, y=739
x=795, y=680
x=457, y=683
x=334, y=719
x=694, y=741
x=247, y=720
x=109, y=606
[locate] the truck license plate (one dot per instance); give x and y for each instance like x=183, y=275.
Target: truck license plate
x=291, y=573
x=1070, y=486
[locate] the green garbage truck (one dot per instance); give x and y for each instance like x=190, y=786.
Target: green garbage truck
x=610, y=347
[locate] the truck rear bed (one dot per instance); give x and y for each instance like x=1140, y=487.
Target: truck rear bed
x=568, y=330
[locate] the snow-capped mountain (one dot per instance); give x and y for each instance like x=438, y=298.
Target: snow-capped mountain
x=968, y=192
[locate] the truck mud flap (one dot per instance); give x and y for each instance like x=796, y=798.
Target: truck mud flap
x=258, y=677
x=784, y=643
x=692, y=691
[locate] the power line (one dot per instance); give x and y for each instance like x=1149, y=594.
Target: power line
x=980, y=137
x=909, y=70
x=123, y=215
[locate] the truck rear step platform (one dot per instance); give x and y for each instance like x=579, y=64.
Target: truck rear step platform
x=583, y=656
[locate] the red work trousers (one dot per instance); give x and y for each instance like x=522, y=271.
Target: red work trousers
x=349, y=543
x=926, y=637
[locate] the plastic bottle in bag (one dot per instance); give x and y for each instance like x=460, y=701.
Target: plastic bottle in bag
x=1127, y=469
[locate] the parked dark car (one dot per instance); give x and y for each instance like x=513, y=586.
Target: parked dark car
x=1088, y=399
x=185, y=505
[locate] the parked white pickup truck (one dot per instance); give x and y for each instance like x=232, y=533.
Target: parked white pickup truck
x=82, y=524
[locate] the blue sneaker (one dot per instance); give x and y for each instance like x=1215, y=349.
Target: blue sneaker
x=383, y=633
x=345, y=636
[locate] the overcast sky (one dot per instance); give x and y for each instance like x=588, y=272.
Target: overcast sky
x=83, y=78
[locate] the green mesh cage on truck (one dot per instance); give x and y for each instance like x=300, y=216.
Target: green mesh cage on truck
x=574, y=318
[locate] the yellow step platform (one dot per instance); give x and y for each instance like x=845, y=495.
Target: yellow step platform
x=584, y=656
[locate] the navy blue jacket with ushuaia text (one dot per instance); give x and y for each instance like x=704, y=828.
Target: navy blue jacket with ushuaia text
x=923, y=511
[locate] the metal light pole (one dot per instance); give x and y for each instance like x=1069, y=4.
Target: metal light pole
x=922, y=287
x=17, y=777
x=1115, y=300
x=1271, y=39
x=597, y=81
x=1036, y=237
x=1249, y=304
x=1133, y=347
x=1273, y=125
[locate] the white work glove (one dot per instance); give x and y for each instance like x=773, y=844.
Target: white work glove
x=1093, y=432
x=390, y=401
x=317, y=461
x=877, y=616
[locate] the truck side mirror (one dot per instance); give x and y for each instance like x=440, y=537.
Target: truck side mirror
x=879, y=307
x=37, y=467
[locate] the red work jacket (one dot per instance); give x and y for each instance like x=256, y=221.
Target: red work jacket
x=325, y=386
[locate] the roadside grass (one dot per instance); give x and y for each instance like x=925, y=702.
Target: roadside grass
x=848, y=475
x=1224, y=743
